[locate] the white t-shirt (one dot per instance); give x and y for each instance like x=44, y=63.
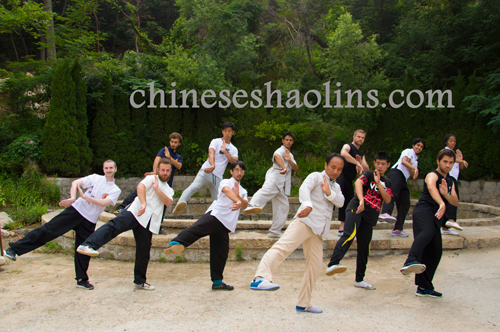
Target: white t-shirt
x=221, y=208
x=282, y=181
x=98, y=187
x=154, y=205
x=455, y=170
x=410, y=153
x=220, y=158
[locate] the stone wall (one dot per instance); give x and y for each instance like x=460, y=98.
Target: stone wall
x=484, y=192
x=128, y=185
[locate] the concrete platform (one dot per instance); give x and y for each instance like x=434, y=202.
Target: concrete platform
x=251, y=242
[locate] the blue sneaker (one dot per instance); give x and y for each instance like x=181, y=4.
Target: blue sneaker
x=428, y=292
x=312, y=309
x=260, y=283
x=173, y=248
x=412, y=267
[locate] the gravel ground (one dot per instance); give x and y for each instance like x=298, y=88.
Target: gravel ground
x=38, y=293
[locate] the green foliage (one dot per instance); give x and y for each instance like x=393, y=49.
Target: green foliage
x=59, y=138
x=51, y=247
x=102, y=138
x=75, y=33
x=488, y=104
x=21, y=152
x=239, y=253
x=27, y=198
x=27, y=15
x=81, y=123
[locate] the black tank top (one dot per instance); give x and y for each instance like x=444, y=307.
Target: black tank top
x=426, y=202
x=349, y=170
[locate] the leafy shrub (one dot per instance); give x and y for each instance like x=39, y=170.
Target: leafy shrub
x=27, y=198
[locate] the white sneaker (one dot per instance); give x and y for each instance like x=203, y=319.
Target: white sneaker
x=260, y=283
x=451, y=224
x=449, y=232
x=252, y=210
x=86, y=250
x=365, y=285
x=335, y=269
x=178, y=208
x=274, y=235
x=387, y=218
x=144, y=286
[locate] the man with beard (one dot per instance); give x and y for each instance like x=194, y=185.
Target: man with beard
x=80, y=215
x=220, y=219
x=143, y=217
x=355, y=163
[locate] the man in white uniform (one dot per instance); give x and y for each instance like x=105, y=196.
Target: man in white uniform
x=220, y=219
x=276, y=187
x=144, y=217
x=318, y=194
x=220, y=153
x=80, y=215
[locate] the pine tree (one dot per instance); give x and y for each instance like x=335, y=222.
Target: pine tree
x=60, y=139
x=84, y=151
x=103, y=136
x=125, y=140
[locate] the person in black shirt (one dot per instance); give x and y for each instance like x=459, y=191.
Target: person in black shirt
x=361, y=215
x=170, y=153
x=355, y=163
x=427, y=247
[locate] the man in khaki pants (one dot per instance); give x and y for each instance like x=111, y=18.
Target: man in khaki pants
x=318, y=194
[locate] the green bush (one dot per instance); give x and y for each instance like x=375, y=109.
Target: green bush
x=27, y=198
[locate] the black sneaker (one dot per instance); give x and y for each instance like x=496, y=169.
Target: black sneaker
x=222, y=287
x=428, y=292
x=10, y=253
x=84, y=284
x=162, y=232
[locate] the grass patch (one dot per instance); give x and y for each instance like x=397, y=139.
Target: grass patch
x=27, y=198
x=51, y=247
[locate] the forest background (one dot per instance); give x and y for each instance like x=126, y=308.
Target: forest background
x=68, y=68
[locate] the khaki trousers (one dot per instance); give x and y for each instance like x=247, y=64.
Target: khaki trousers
x=296, y=234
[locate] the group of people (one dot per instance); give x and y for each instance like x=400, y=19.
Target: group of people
x=359, y=208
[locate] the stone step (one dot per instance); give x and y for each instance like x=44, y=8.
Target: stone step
x=197, y=207
x=253, y=243
x=266, y=224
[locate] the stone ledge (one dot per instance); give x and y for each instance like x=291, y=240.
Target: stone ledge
x=254, y=243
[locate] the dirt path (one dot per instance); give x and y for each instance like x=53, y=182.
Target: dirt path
x=38, y=293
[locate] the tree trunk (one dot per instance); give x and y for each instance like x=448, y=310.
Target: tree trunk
x=51, y=44
x=42, y=49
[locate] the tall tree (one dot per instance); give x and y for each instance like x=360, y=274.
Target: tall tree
x=60, y=139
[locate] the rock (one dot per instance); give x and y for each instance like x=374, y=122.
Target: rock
x=2, y=260
x=4, y=218
x=5, y=233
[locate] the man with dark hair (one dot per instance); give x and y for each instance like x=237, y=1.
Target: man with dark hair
x=427, y=248
x=143, y=217
x=318, y=194
x=80, y=215
x=220, y=153
x=220, y=219
x=169, y=152
x=276, y=186
x=361, y=216
x=406, y=166
x=355, y=163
